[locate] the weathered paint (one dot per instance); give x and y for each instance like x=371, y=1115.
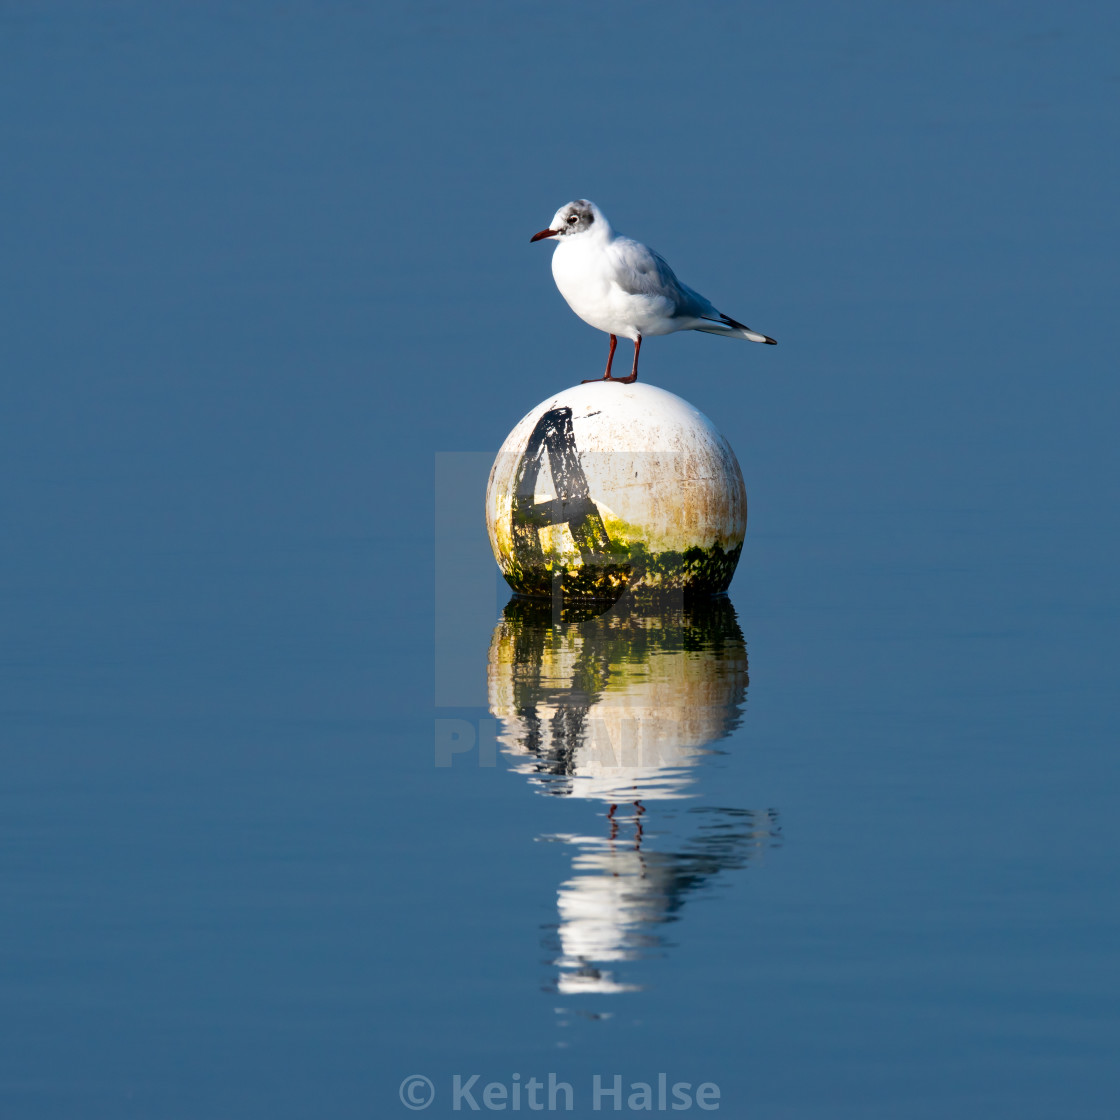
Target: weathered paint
x=607, y=488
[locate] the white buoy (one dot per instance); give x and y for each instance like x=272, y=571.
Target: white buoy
x=603, y=489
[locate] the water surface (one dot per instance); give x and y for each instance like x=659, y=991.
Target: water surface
x=264, y=266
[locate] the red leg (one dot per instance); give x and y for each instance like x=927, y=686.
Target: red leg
x=634, y=372
x=610, y=360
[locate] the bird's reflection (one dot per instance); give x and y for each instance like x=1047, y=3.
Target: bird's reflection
x=621, y=708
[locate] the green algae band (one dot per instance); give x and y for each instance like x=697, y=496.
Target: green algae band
x=604, y=489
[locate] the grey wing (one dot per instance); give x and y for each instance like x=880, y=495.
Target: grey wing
x=641, y=271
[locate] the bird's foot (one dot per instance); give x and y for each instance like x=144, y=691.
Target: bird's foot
x=596, y=380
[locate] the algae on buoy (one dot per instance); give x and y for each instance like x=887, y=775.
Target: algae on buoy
x=605, y=489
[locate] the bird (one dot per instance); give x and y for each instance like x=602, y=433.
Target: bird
x=625, y=288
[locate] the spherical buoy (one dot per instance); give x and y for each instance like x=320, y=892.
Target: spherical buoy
x=604, y=489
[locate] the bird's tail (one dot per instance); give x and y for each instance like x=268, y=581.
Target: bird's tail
x=729, y=328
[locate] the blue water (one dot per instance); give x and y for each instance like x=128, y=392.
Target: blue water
x=265, y=265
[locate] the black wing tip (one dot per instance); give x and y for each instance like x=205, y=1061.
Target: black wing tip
x=743, y=327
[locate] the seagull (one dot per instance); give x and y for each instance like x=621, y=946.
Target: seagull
x=623, y=287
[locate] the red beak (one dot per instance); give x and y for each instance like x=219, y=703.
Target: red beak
x=544, y=233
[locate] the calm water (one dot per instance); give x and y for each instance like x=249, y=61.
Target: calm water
x=265, y=267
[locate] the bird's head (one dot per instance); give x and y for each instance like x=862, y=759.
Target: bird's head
x=573, y=219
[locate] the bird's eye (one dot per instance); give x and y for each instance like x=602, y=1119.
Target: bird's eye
x=573, y=218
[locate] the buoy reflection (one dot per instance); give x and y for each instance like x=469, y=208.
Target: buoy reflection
x=620, y=706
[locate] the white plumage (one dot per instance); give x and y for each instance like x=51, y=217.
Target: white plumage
x=623, y=287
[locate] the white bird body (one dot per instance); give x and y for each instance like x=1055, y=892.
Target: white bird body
x=623, y=287
x=590, y=272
